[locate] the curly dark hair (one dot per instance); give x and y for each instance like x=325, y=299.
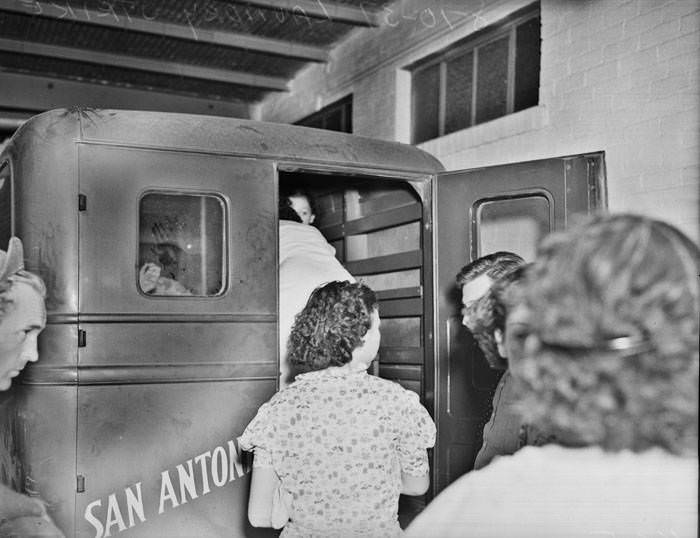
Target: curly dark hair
x=286, y=211
x=331, y=325
x=614, y=308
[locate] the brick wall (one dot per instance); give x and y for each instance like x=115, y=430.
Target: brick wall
x=618, y=76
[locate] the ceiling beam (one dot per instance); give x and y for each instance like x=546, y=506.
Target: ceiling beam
x=123, y=20
x=39, y=93
x=320, y=9
x=142, y=64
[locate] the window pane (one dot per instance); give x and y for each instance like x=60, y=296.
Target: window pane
x=334, y=120
x=492, y=80
x=426, y=94
x=515, y=224
x=458, y=112
x=334, y=117
x=181, y=244
x=316, y=121
x=527, y=64
x=347, y=117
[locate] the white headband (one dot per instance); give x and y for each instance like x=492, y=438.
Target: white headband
x=12, y=260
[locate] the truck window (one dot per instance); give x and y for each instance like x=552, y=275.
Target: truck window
x=513, y=224
x=181, y=244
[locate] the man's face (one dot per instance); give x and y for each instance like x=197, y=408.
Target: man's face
x=517, y=331
x=19, y=330
x=472, y=291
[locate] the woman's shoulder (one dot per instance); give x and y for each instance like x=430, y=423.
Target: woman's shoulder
x=291, y=392
x=390, y=389
x=586, y=464
x=290, y=230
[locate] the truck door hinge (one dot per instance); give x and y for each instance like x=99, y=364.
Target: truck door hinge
x=82, y=338
x=80, y=484
x=82, y=202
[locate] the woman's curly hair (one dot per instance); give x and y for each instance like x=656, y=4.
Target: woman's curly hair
x=614, y=277
x=286, y=211
x=331, y=325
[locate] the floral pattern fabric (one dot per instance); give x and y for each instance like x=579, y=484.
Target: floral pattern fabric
x=339, y=443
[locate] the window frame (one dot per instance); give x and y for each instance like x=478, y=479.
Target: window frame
x=345, y=105
x=225, y=265
x=475, y=248
x=504, y=28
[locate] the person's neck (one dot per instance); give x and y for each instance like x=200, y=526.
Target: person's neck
x=350, y=368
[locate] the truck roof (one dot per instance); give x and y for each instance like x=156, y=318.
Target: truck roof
x=223, y=135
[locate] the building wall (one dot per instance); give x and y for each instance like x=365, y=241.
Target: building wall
x=619, y=76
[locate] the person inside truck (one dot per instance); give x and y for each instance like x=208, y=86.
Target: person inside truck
x=333, y=451
x=501, y=434
x=22, y=318
x=161, y=263
x=306, y=260
x=152, y=282
x=300, y=202
x=500, y=325
x=611, y=368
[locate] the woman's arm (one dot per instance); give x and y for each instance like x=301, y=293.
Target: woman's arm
x=414, y=485
x=262, y=489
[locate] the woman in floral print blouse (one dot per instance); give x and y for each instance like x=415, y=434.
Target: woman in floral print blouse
x=334, y=450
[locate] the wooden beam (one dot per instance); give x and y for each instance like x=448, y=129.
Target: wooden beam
x=10, y=119
x=399, y=293
x=122, y=19
x=402, y=355
x=402, y=261
x=142, y=64
x=319, y=9
x=39, y=93
x=401, y=308
x=377, y=221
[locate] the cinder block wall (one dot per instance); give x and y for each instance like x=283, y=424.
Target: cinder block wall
x=617, y=75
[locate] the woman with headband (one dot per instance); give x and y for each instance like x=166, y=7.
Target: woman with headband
x=610, y=370
x=22, y=318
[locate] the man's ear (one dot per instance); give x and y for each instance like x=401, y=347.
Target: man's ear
x=312, y=218
x=500, y=343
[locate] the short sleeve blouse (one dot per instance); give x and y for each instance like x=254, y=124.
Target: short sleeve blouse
x=339, y=443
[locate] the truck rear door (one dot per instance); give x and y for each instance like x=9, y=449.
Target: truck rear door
x=507, y=207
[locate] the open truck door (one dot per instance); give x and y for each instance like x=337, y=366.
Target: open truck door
x=508, y=207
